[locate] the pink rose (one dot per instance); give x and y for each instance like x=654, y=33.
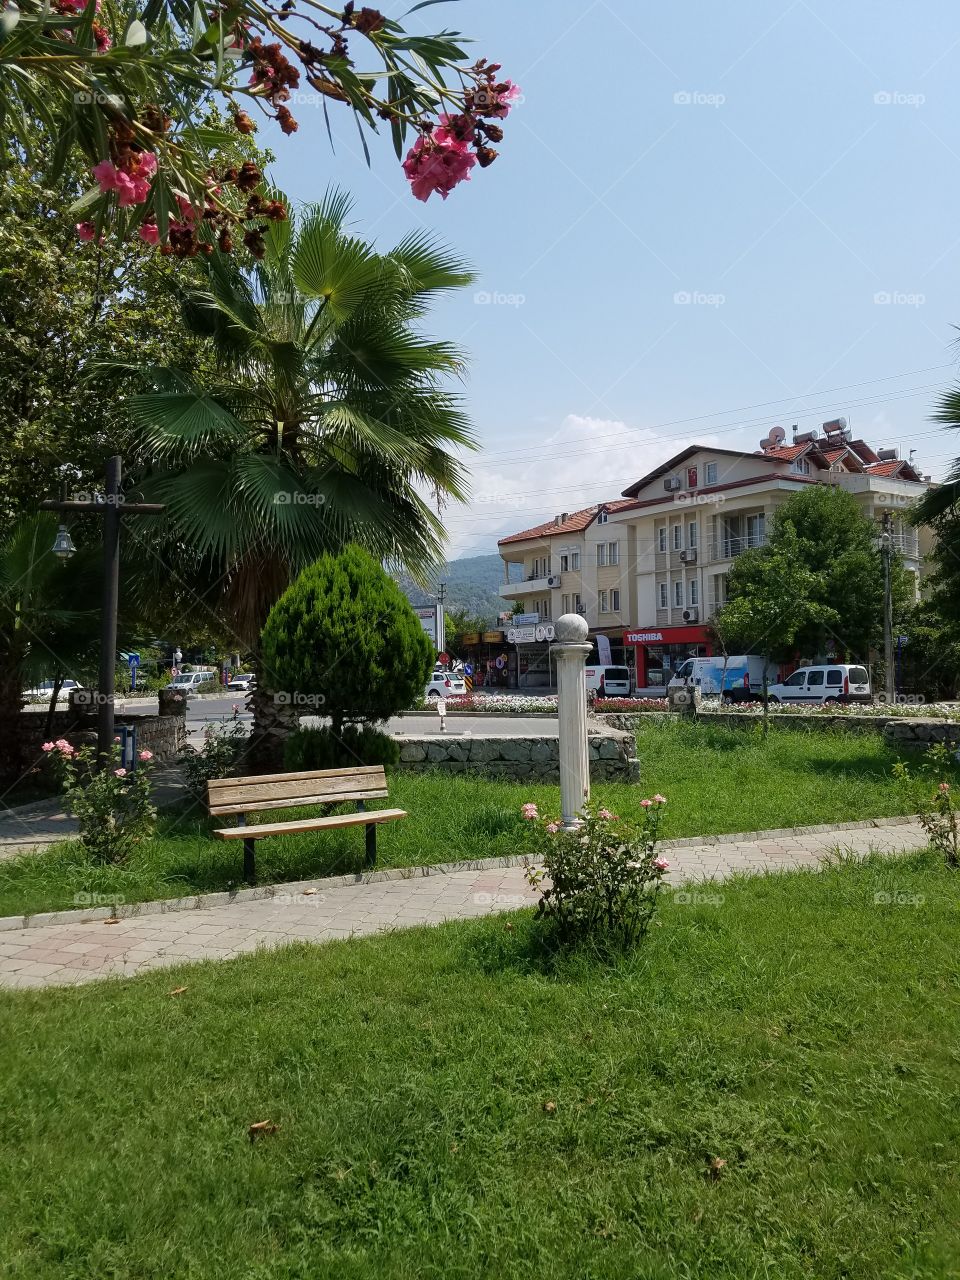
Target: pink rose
x=659, y=799
x=553, y=827
x=661, y=864
x=119, y=773
x=47, y=746
x=646, y=803
x=86, y=232
x=145, y=755
x=607, y=816
x=943, y=788
x=530, y=811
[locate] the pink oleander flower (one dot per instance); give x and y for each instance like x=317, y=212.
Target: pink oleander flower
x=101, y=37
x=119, y=773
x=661, y=864
x=530, y=812
x=86, y=232
x=149, y=233
x=645, y=804
x=145, y=755
x=506, y=100
x=607, y=816
x=187, y=209
x=131, y=187
x=48, y=746
x=553, y=827
x=438, y=162
x=659, y=799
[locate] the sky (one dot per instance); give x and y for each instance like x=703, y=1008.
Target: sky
x=705, y=220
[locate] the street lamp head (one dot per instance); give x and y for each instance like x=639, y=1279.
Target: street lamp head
x=63, y=547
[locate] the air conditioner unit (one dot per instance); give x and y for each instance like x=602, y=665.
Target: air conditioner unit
x=672, y=483
x=553, y=580
x=688, y=557
x=691, y=615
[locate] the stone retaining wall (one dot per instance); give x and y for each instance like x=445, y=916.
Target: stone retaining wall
x=165, y=736
x=917, y=735
x=613, y=756
x=630, y=721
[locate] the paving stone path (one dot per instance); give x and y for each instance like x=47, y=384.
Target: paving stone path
x=67, y=948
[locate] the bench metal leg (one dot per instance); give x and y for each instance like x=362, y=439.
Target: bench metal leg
x=249, y=862
x=371, y=858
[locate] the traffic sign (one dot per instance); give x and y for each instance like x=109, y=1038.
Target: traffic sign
x=133, y=659
x=468, y=668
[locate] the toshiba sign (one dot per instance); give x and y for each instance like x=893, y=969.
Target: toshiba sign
x=643, y=637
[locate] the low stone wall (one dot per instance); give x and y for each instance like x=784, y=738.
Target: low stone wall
x=613, y=756
x=917, y=735
x=630, y=721
x=165, y=736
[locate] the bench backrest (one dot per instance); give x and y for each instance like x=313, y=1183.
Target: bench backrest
x=290, y=790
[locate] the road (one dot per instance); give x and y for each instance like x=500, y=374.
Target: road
x=202, y=711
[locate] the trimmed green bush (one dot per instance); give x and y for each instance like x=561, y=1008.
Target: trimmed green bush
x=342, y=641
x=324, y=749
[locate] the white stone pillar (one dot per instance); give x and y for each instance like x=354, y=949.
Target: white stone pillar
x=570, y=651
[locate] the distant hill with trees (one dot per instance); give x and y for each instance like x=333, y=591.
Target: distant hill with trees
x=472, y=586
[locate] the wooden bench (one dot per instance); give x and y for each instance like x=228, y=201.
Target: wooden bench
x=241, y=796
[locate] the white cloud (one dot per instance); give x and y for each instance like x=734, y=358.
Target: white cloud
x=582, y=461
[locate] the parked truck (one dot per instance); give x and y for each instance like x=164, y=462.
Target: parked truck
x=738, y=678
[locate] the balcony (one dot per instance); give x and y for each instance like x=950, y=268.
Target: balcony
x=529, y=586
x=908, y=544
x=730, y=546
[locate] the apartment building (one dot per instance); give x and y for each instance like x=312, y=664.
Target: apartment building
x=649, y=569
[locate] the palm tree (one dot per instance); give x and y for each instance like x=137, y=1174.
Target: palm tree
x=940, y=508
x=327, y=420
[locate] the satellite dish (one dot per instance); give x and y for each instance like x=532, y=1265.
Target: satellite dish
x=778, y=434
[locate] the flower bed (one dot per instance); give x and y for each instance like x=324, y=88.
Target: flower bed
x=631, y=704
x=879, y=710
x=497, y=704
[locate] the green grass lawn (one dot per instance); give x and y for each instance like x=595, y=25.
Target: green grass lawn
x=715, y=779
x=452, y=1105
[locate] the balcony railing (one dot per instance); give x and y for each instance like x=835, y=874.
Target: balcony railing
x=908, y=544
x=731, y=545
x=511, y=589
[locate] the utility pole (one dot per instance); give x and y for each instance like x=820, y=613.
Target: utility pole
x=440, y=626
x=886, y=551
x=110, y=507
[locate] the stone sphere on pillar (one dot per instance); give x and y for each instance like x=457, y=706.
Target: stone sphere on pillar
x=570, y=628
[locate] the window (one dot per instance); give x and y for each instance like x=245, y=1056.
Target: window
x=691, y=477
x=603, y=602
x=602, y=517
x=564, y=563
x=575, y=561
x=602, y=554
x=577, y=604
x=711, y=473
x=615, y=601
x=814, y=677
x=564, y=604
x=677, y=537
x=678, y=593
x=835, y=677
x=613, y=553
x=692, y=535
x=662, y=538
x=796, y=680
x=756, y=529
x=663, y=595
x=693, y=591
x=545, y=610
x=801, y=466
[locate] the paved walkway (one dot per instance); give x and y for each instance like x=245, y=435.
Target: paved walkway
x=67, y=950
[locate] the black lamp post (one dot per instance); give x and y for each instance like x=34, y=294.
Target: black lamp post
x=110, y=507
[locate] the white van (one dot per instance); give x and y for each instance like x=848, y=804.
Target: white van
x=190, y=680
x=609, y=682
x=837, y=682
x=734, y=679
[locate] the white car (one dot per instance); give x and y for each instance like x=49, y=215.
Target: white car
x=44, y=691
x=837, y=682
x=241, y=682
x=445, y=684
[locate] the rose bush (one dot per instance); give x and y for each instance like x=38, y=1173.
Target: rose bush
x=112, y=805
x=935, y=799
x=598, y=882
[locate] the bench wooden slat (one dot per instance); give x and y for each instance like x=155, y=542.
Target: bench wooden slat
x=216, y=785
x=369, y=817
x=294, y=802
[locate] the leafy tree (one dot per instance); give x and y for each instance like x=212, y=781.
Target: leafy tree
x=344, y=641
x=940, y=509
x=47, y=628
x=931, y=657
x=773, y=607
x=457, y=624
x=824, y=530
x=123, y=85
x=323, y=422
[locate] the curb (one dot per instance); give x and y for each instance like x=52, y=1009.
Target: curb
x=202, y=901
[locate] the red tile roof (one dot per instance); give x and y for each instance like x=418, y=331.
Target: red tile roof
x=785, y=452
x=886, y=468
x=575, y=522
